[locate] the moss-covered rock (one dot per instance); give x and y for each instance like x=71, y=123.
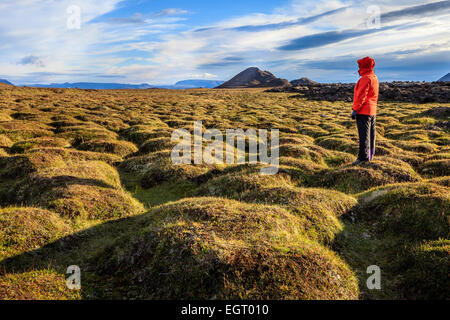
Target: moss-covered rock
x=162, y=170
x=156, y=144
x=220, y=249
x=413, y=211
x=425, y=268
x=337, y=158
x=24, y=229
x=120, y=148
x=82, y=133
x=436, y=168
x=355, y=179
x=312, y=130
x=42, y=142
x=421, y=147
x=73, y=155
x=443, y=181
x=338, y=143
x=91, y=202
x=307, y=152
x=141, y=133
x=5, y=142
x=86, y=189
x=318, y=209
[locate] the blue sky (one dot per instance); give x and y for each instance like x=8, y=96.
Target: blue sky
x=161, y=42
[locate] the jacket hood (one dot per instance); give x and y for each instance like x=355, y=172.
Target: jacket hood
x=366, y=65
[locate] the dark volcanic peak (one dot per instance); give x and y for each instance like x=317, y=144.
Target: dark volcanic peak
x=303, y=82
x=445, y=78
x=254, y=78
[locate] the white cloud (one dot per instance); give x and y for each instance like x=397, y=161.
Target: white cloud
x=171, y=51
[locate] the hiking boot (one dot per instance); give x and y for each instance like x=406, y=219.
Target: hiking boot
x=358, y=162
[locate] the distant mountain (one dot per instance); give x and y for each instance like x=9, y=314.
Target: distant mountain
x=188, y=84
x=254, y=78
x=185, y=84
x=303, y=82
x=5, y=82
x=445, y=78
x=93, y=85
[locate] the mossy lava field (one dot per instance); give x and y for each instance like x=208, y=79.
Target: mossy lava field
x=86, y=179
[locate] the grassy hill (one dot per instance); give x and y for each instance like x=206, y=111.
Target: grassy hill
x=86, y=179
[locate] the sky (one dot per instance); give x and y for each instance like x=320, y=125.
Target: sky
x=161, y=42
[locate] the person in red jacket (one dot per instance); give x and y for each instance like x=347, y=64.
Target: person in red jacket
x=365, y=102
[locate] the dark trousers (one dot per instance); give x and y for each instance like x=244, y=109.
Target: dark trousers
x=367, y=136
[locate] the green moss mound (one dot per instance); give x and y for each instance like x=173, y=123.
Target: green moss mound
x=412, y=211
x=24, y=134
x=163, y=171
x=213, y=248
x=443, y=181
x=426, y=268
x=337, y=158
x=44, y=142
x=120, y=148
x=415, y=146
x=436, y=168
x=307, y=152
x=24, y=229
x=338, y=143
x=15, y=167
x=91, y=202
x=86, y=189
x=355, y=179
x=296, y=139
x=72, y=155
x=141, y=133
x=156, y=144
x=82, y=133
x=307, y=166
x=317, y=209
x=5, y=142
x=157, y=167
x=313, y=131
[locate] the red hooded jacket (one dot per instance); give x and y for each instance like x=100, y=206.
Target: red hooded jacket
x=365, y=98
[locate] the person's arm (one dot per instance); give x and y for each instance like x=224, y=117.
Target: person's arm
x=362, y=88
